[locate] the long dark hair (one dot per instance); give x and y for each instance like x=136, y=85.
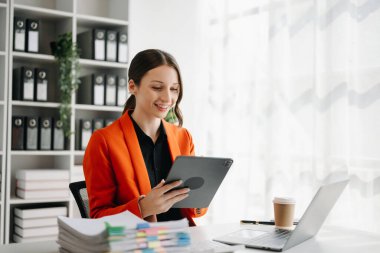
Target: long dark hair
x=145, y=61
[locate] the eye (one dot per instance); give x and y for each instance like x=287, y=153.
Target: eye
x=156, y=88
x=175, y=89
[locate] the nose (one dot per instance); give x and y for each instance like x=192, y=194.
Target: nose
x=165, y=95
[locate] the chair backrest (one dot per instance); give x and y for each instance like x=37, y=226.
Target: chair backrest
x=79, y=191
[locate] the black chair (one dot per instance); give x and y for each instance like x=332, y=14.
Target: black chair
x=79, y=190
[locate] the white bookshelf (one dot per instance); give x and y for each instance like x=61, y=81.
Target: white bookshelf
x=57, y=17
x=4, y=52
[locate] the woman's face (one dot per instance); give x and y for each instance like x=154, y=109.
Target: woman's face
x=158, y=91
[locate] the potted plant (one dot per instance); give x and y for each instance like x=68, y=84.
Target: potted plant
x=66, y=53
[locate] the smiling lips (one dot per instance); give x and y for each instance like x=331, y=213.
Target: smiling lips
x=162, y=108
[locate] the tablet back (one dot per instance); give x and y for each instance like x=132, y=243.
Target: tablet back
x=203, y=175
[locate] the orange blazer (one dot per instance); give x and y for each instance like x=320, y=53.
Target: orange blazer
x=115, y=170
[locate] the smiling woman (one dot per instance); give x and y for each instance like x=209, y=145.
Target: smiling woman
x=125, y=164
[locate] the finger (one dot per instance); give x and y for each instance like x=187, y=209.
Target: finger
x=174, y=193
x=170, y=186
x=160, y=184
x=177, y=198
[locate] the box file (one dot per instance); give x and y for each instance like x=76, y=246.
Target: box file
x=18, y=130
x=92, y=44
x=32, y=35
x=92, y=90
x=41, y=85
x=31, y=133
x=19, y=33
x=122, y=47
x=85, y=132
x=45, y=133
x=111, y=90
x=122, y=91
x=23, y=84
x=58, y=138
x=111, y=46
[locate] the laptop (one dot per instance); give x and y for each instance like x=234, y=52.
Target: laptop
x=270, y=238
x=203, y=175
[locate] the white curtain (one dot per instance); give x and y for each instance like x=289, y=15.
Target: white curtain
x=292, y=94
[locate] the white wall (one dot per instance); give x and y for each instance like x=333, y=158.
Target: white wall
x=173, y=26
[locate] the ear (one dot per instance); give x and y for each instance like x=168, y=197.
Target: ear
x=132, y=87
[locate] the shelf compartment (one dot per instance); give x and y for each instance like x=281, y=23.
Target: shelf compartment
x=35, y=104
x=50, y=27
x=105, y=9
x=48, y=5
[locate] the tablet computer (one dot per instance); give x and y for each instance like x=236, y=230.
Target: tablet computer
x=203, y=175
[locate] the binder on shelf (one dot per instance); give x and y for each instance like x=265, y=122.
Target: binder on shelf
x=31, y=133
x=58, y=139
x=19, y=32
x=23, y=84
x=110, y=90
x=85, y=133
x=31, y=213
x=92, y=44
x=111, y=46
x=18, y=126
x=122, y=91
x=41, y=85
x=122, y=47
x=44, y=134
x=92, y=90
x=32, y=34
x=97, y=124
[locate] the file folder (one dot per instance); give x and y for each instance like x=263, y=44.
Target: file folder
x=41, y=85
x=31, y=133
x=97, y=124
x=111, y=46
x=18, y=130
x=19, y=33
x=92, y=90
x=45, y=133
x=85, y=132
x=111, y=90
x=23, y=84
x=58, y=136
x=92, y=44
x=122, y=91
x=32, y=34
x=123, y=47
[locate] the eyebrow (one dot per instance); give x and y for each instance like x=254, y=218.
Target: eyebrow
x=157, y=81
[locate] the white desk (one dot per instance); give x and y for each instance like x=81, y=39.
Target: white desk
x=329, y=239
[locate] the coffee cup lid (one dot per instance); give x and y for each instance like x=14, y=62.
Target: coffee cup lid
x=284, y=200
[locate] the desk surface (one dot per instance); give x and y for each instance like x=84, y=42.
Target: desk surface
x=329, y=239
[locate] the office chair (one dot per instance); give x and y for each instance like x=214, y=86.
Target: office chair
x=79, y=191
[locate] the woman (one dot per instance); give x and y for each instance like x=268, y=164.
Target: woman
x=125, y=164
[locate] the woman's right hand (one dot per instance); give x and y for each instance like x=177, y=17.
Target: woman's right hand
x=160, y=200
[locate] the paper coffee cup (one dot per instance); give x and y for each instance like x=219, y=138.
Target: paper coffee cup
x=284, y=212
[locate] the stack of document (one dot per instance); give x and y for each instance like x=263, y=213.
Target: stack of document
x=42, y=183
x=36, y=224
x=122, y=232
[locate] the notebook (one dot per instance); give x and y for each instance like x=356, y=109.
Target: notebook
x=270, y=238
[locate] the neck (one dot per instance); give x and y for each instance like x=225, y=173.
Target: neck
x=150, y=125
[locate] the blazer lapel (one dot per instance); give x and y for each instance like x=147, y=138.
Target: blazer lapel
x=134, y=149
x=172, y=141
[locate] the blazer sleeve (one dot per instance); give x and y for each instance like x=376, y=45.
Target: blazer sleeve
x=193, y=212
x=100, y=180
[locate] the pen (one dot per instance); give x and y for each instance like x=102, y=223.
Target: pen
x=261, y=222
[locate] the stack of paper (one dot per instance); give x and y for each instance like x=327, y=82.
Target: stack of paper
x=122, y=232
x=36, y=224
x=46, y=183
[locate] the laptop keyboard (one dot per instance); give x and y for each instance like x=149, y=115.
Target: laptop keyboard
x=275, y=239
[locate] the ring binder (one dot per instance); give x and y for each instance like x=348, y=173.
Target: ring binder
x=122, y=47
x=41, y=85
x=23, y=84
x=19, y=34
x=111, y=46
x=31, y=133
x=44, y=134
x=110, y=90
x=32, y=40
x=18, y=126
x=85, y=133
x=122, y=91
